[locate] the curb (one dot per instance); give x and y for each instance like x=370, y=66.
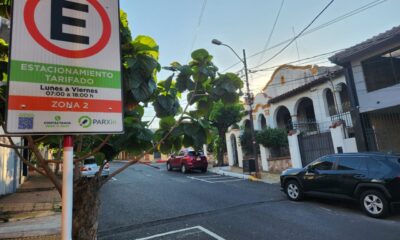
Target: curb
x=240, y=175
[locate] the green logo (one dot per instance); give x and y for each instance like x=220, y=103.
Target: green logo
x=85, y=121
x=57, y=118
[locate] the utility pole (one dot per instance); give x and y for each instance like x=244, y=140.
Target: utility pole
x=249, y=102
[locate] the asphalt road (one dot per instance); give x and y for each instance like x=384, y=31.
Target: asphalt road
x=150, y=203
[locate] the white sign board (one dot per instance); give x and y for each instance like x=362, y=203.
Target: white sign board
x=65, y=67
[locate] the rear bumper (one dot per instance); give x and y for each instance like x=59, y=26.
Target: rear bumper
x=197, y=166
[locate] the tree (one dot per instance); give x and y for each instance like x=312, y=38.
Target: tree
x=140, y=66
x=222, y=116
x=140, y=88
x=214, y=95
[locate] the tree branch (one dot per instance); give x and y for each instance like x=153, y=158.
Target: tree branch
x=96, y=150
x=25, y=160
x=42, y=162
x=13, y=146
x=136, y=159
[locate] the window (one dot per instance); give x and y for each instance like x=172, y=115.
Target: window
x=325, y=163
x=377, y=164
x=351, y=163
x=382, y=71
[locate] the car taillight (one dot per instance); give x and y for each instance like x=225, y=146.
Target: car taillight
x=83, y=169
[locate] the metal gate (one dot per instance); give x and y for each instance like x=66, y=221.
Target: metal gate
x=315, y=146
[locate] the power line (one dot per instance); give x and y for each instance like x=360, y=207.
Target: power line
x=297, y=36
x=272, y=30
x=200, y=19
x=297, y=61
x=326, y=24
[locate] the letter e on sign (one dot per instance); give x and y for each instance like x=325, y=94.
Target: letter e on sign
x=58, y=20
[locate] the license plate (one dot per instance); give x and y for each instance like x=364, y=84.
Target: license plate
x=198, y=159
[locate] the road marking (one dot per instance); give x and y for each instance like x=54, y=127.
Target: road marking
x=219, y=179
x=216, y=178
x=208, y=176
x=212, y=234
x=233, y=180
x=114, y=179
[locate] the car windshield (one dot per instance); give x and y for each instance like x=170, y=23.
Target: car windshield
x=90, y=161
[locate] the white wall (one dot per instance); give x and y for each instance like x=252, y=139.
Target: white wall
x=382, y=98
x=229, y=148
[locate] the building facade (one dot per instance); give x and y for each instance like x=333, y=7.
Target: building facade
x=305, y=101
x=373, y=74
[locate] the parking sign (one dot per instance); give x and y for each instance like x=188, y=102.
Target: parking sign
x=65, y=67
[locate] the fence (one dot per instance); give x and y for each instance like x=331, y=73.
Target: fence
x=382, y=130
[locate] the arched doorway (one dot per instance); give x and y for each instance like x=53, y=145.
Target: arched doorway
x=283, y=118
x=262, y=122
x=330, y=102
x=344, y=96
x=234, y=150
x=306, y=121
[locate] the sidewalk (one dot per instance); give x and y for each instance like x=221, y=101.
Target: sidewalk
x=266, y=177
x=33, y=211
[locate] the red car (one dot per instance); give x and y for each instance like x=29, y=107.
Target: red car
x=187, y=160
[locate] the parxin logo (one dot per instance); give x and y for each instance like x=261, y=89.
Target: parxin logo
x=86, y=121
x=57, y=123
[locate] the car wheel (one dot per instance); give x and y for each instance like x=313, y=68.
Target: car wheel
x=169, y=168
x=293, y=191
x=184, y=169
x=203, y=170
x=374, y=204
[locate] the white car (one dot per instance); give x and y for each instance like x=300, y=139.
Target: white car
x=90, y=168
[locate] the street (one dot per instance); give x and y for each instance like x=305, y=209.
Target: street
x=149, y=203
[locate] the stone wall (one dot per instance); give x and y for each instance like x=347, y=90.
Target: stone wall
x=277, y=165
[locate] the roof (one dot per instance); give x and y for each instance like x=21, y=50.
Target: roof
x=374, y=43
x=306, y=87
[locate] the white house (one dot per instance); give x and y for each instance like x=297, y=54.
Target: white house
x=306, y=101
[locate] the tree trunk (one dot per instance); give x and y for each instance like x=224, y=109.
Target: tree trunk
x=221, y=148
x=86, y=208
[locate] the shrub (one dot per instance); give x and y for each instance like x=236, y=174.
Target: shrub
x=272, y=137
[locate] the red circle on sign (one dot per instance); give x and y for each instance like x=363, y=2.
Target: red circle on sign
x=29, y=17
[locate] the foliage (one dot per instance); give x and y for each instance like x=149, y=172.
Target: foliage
x=5, y=8
x=224, y=115
x=247, y=142
x=272, y=137
x=214, y=97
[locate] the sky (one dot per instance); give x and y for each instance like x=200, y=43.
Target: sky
x=182, y=26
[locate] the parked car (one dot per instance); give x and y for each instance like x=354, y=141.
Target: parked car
x=90, y=168
x=187, y=160
x=372, y=179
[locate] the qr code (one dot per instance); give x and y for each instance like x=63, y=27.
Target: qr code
x=25, y=122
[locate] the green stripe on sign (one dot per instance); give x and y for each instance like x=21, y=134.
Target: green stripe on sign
x=34, y=72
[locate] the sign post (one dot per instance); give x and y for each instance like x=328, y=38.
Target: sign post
x=65, y=75
x=67, y=188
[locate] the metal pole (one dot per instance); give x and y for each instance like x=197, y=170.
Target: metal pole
x=250, y=102
x=67, y=188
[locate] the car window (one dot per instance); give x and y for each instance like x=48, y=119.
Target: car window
x=324, y=163
x=377, y=164
x=90, y=161
x=181, y=153
x=396, y=160
x=192, y=153
x=351, y=163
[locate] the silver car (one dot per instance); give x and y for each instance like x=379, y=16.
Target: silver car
x=90, y=168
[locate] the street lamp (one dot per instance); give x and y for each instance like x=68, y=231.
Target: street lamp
x=249, y=100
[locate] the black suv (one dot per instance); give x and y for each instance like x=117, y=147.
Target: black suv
x=373, y=179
